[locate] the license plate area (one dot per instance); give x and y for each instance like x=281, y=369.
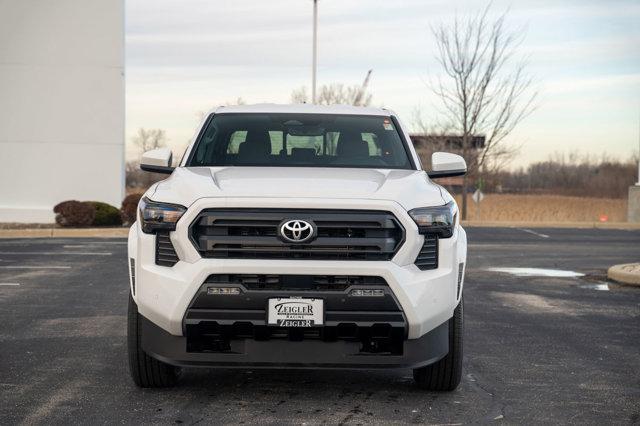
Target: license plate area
x=295, y=312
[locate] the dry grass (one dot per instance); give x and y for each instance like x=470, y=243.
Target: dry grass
x=547, y=208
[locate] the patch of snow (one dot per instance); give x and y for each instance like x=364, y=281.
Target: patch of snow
x=537, y=272
x=600, y=287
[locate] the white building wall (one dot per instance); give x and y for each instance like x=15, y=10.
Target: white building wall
x=61, y=105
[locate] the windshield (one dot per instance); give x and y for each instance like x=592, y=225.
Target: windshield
x=303, y=140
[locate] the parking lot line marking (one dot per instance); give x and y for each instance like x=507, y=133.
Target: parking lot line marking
x=534, y=233
x=59, y=253
x=9, y=284
x=34, y=267
x=94, y=244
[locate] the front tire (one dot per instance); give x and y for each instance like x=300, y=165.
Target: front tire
x=445, y=374
x=146, y=372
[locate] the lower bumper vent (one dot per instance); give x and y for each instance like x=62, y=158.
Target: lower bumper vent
x=214, y=320
x=132, y=272
x=428, y=257
x=165, y=252
x=460, y=275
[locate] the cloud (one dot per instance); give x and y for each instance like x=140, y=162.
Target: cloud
x=189, y=56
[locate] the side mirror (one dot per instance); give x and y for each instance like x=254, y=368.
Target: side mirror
x=157, y=160
x=445, y=164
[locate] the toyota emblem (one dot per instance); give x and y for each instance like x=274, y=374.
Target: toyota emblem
x=297, y=231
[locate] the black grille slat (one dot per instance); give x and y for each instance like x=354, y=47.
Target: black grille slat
x=428, y=257
x=274, y=252
x=385, y=244
x=165, y=252
x=253, y=234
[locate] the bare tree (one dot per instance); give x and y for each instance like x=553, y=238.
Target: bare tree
x=299, y=95
x=150, y=139
x=335, y=93
x=145, y=140
x=484, y=88
x=434, y=140
x=238, y=101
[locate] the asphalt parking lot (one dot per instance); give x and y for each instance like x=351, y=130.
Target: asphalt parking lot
x=538, y=349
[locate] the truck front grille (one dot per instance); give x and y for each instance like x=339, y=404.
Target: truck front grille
x=253, y=234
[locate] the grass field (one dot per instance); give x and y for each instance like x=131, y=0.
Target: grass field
x=546, y=208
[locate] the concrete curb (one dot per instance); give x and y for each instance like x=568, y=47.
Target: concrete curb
x=628, y=273
x=578, y=225
x=65, y=233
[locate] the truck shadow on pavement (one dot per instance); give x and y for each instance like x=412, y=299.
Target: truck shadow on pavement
x=316, y=396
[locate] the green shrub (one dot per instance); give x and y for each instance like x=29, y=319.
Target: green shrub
x=129, y=209
x=106, y=214
x=74, y=213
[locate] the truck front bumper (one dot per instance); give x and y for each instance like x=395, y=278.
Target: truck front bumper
x=427, y=298
x=171, y=349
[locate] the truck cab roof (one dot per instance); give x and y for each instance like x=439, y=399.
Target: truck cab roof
x=303, y=109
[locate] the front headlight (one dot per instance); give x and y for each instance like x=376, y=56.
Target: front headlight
x=156, y=216
x=439, y=220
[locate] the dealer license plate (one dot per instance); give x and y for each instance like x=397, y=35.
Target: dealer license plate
x=295, y=312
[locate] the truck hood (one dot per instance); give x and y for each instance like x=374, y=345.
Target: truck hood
x=410, y=188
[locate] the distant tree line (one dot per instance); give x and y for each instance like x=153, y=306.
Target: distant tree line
x=567, y=175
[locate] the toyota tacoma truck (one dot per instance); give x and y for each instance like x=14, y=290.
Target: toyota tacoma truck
x=297, y=236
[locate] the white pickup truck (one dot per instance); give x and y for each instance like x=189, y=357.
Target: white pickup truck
x=297, y=236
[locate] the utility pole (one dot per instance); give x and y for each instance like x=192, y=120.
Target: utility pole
x=315, y=51
x=638, y=183
x=633, y=201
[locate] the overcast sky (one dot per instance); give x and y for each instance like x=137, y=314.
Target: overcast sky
x=184, y=57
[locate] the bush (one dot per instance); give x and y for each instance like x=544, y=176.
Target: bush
x=129, y=209
x=106, y=214
x=74, y=213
